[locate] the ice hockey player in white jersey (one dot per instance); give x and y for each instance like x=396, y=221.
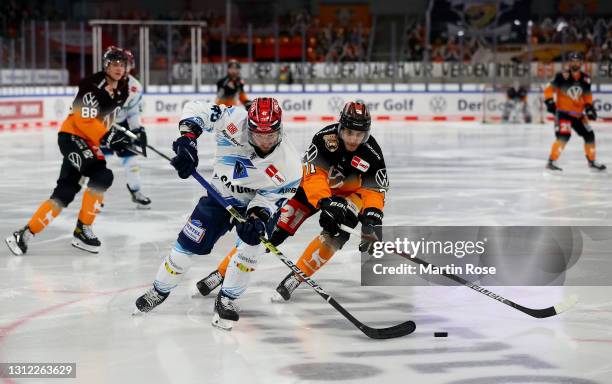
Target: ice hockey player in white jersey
x=256, y=169
x=129, y=117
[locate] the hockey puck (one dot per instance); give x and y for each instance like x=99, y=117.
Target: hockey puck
x=440, y=334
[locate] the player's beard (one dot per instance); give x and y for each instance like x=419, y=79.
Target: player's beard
x=575, y=68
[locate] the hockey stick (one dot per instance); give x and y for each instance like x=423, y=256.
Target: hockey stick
x=399, y=330
x=537, y=313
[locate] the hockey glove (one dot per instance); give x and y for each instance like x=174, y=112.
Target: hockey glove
x=333, y=213
x=186, y=159
x=590, y=112
x=251, y=230
x=550, y=106
x=115, y=140
x=142, y=139
x=371, y=226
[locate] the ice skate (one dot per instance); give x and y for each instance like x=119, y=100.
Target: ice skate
x=226, y=312
x=142, y=202
x=85, y=239
x=596, y=166
x=208, y=284
x=286, y=287
x=151, y=299
x=18, y=242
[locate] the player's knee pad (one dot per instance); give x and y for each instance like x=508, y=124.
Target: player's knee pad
x=563, y=137
x=172, y=269
x=208, y=222
x=240, y=269
x=589, y=137
x=563, y=127
x=101, y=180
x=64, y=192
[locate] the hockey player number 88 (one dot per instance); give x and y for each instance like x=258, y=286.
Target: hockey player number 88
x=87, y=112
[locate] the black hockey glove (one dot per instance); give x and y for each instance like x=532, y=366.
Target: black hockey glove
x=551, y=107
x=142, y=139
x=252, y=229
x=371, y=226
x=116, y=140
x=247, y=104
x=333, y=213
x=590, y=112
x=186, y=159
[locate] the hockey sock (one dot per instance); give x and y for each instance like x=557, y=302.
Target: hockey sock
x=556, y=149
x=316, y=254
x=240, y=268
x=92, y=202
x=44, y=215
x=223, y=264
x=172, y=269
x=132, y=172
x=589, y=151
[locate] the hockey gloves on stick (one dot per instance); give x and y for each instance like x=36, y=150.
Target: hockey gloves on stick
x=590, y=112
x=255, y=225
x=550, y=106
x=371, y=229
x=186, y=159
x=142, y=139
x=115, y=140
x=333, y=213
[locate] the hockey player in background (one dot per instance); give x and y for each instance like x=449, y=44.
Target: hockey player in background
x=93, y=111
x=129, y=118
x=569, y=98
x=516, y=101
x=230, y=89
x=345, y=178
x=256, y=170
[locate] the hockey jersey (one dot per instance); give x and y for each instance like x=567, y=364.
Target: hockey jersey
x=132, y=108
x=94, y=109
x=229, y=89
x=572, y=92
x=239, y=174
x=331, y=170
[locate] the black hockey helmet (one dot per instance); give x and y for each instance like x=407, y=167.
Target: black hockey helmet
x=355, y=116
x=575, y=56
x=233, y=63
x=114, y=54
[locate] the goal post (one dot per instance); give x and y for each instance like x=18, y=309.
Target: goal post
x=497, y=108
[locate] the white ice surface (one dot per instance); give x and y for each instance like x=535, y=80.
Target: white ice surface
x=59, y=304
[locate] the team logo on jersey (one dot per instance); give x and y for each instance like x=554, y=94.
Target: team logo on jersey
x=274, y=174
x=574, y=92
x=194, y=230
x=360, y=164
x=381, y=178
x=312, y=153
x=89, y=99
x=240, y=171
x=335, y=177
x=331, y=142
x=75, y=159
x=232, y=129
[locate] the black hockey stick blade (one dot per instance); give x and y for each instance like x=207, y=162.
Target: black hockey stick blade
x=398, y=330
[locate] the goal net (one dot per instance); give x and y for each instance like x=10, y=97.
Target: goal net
x=499, y=108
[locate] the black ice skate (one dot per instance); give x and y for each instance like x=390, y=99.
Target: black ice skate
x=287, y=286
x=142, y=202
x=596, y=166
x=552, y=166
x=85, y=239
x=18, y=242
x=151, y=299
x=226, y=312
x=209, y=283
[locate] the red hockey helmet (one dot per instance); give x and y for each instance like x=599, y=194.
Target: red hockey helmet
x=265, y=125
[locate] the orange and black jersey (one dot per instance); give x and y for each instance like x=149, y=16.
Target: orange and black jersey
x=227, y=90
x=94, y=109
x=572, y=91
x=331, y=170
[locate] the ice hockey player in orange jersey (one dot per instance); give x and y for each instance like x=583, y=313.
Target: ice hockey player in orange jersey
x=345, y=178
x=99, y=99
x=569, y=98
